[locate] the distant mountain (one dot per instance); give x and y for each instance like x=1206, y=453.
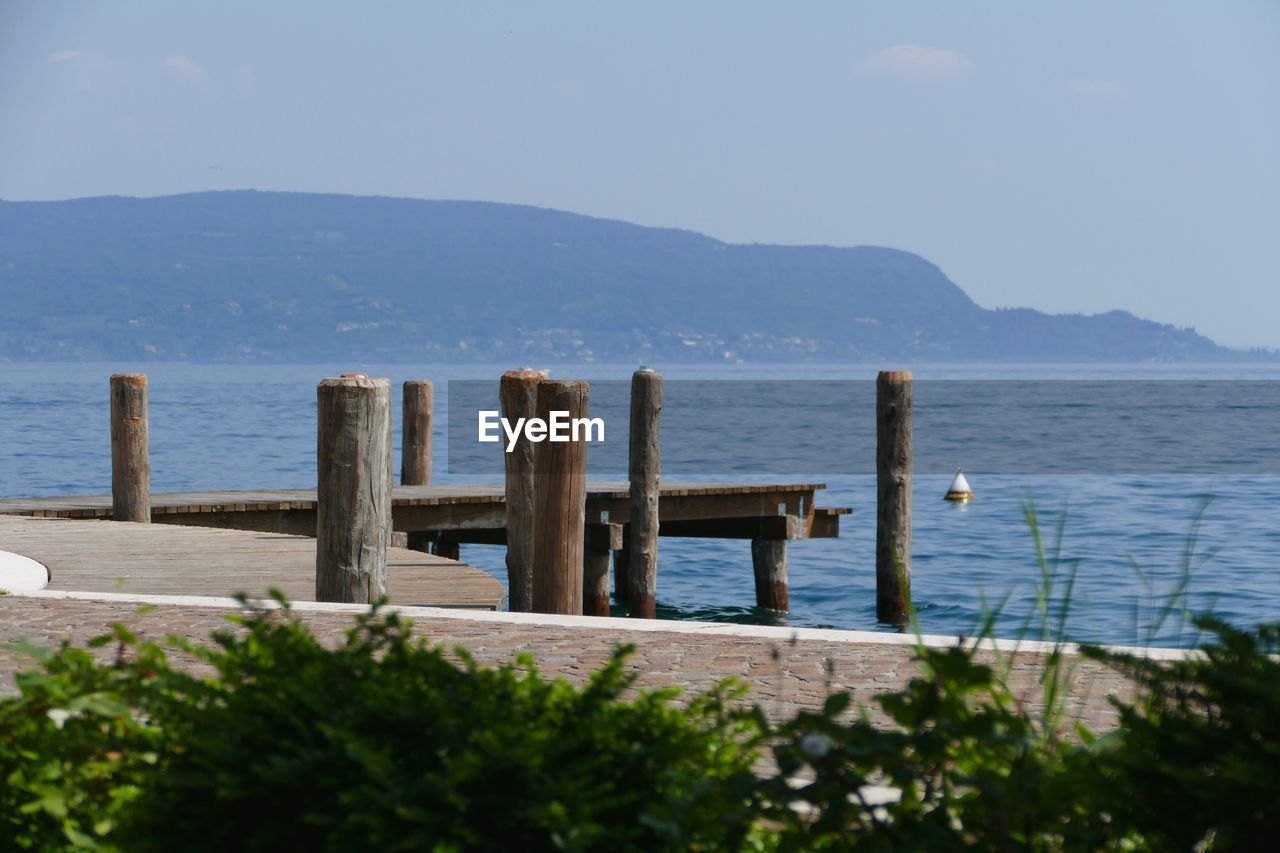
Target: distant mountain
x=255, y=276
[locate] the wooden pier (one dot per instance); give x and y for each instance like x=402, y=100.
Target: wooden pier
x=582, y=526
x=155, y=559
x=476, y=514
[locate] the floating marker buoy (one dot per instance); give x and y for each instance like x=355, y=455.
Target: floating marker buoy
x=959, y=490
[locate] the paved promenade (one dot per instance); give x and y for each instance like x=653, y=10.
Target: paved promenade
x=787, y=670
x=166, y=559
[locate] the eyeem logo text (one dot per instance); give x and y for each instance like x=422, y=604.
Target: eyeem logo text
x=558, y=427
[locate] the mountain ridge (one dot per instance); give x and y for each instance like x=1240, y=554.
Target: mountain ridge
x=247, y=275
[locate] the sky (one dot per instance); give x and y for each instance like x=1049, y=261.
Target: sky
x=1080, y=156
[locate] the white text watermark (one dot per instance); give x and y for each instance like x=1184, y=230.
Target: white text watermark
x=557, y=427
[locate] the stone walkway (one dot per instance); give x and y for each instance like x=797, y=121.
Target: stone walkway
x=785, y=673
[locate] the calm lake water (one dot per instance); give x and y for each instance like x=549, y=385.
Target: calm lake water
x=1127, y=540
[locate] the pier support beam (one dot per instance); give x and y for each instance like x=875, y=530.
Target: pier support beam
x=643, y=471
x=353, y=488
x=130, y=449
x=601, y=541
x=415, y=444
x=895, y=404
x=559, y=505
x=446, y=546
x=518, y=398
x=621, y=571
x=769, y=562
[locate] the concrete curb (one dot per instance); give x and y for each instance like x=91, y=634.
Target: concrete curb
x=622, y=626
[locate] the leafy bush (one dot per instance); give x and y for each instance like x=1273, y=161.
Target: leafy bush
x=1193, y=765
x=1197, y=761
x=382, y=742
x=964, y=765
x=385, y=742
x=73, y=749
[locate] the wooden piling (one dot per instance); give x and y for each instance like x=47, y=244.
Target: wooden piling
x=415, y=434
x=643, y=471
x=559, y=506
x=518, y=398
x=769, y=563
x=353, y=488
x=446, y=546
x=130, y=449
x=602, y=539
x=621, y=562
x=895, y=403
x=417, y=414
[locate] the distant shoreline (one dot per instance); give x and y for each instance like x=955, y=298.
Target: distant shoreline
x=269, y=277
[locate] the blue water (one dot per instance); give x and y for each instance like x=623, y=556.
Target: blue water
x=1128, y=542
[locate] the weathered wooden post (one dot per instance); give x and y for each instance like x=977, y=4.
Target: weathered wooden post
x=559, y=503
x=415, y=438
x=769, y=563
x=601, y=541
x=642, y=469
x=130, y=449
x=353, y=488
x=448, y=547
x=415, y=445
x=895, y=403
x=518, y=398
x=621, y=562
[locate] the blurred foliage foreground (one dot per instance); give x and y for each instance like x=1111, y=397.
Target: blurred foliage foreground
x=389, y=743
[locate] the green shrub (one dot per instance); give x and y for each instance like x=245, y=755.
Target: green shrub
x=382, y=742
x=969, y=765
x=1197, y=760
x=73, y=750
x=1193, y=765
x=385, y=742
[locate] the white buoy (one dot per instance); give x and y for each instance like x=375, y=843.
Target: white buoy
x=959, y=490
x=21, y=574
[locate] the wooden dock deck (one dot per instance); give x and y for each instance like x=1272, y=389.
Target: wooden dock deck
x=442, y=518
x=154, y=559
x=477, y=513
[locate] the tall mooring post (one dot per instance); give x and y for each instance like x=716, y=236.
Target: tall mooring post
x=559, y=505
x=415, y=433
x=895, y=403
x=518, y=398
x=416, y=418
x=643, y=471
x=353, y=488
x=130, y=449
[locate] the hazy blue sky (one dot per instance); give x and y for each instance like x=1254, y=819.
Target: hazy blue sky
x=1071, y=157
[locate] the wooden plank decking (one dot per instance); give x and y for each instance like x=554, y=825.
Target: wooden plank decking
x=448, y=516
x=99, y=506
x=476, y=513
x=95, y=556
